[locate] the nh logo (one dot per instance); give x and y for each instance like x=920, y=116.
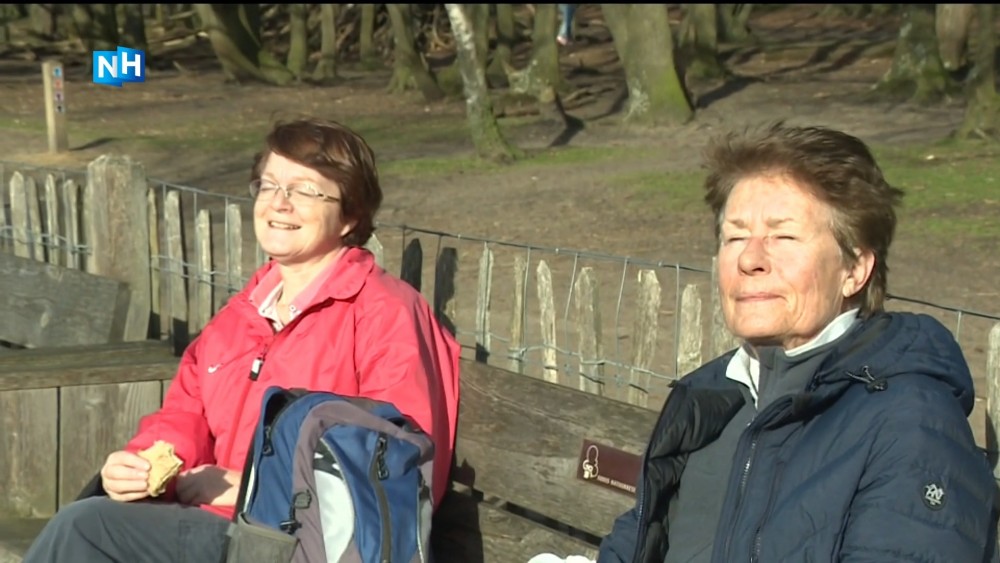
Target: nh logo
x=114, y=67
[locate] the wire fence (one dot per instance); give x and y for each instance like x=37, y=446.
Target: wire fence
x=622, y=325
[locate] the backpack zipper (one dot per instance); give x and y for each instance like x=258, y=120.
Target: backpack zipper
x=379, y=472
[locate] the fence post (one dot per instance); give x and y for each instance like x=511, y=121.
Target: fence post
x=546, y=302
x=645, y=336
x=588, y=309
x=515, y=351
x=689, y=347
x=118, y=239
x=483, y=305
x=993, y=398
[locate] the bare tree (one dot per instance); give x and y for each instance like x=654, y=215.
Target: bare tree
x=234, y=32
x=408, y=66
x=496, y=71
x=951, y=23
x=733, y=22
x=656, y=94
x=917, y=73
x=698, y=42
x=298, y=39
x=982, y=114
x=134, y=30
x=489, y=142
x=366, y=46
x=96, y=25
x=326, y=68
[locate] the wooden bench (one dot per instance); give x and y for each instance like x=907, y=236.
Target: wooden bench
x=517, y=489
x=46, y=305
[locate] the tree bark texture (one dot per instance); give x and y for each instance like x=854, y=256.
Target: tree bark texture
x=699, y=42
x=951, y=22
x=234, y=32
x=366, y=47
x=656, y=95
x=496, y=71
x=326, y=68
x=917, y=73
x=96, y=25
x=408, y=66
x=298, y=35
x=486, y=136
x=982, y=114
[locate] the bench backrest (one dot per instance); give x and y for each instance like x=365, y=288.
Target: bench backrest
x=47, y=305
x=520, y=439
x=526, y=441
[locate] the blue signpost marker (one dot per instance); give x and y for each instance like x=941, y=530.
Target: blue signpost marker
x=55, y=106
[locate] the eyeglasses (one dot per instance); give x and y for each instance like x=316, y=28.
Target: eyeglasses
x=304, y=193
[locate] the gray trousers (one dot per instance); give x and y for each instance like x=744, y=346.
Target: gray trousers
x=99, y=529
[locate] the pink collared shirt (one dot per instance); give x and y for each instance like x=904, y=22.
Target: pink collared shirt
x=265, y=296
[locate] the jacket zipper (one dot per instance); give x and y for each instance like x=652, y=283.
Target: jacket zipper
x=755, y=552
x=379, y=472
x=640, y=527
x=747, y=465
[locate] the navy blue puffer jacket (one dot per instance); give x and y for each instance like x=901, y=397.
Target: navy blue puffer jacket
x=874, y=461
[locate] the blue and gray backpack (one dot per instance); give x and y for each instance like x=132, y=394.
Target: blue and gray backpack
x=333, y=479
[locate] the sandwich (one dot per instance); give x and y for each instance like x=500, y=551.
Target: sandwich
x=164, y=466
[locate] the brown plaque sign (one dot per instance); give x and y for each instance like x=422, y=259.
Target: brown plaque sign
x=609, y=467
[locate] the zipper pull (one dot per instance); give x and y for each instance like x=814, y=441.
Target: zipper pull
x=872, y=384
x=255, y=368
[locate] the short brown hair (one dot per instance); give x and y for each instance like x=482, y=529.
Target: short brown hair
x=339, y=154
x=837, y=168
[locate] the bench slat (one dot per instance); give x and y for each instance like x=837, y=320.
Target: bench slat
x=103, y=355
x=48, y=305
x=16, y=535
x=520, y=439
x=467, y=531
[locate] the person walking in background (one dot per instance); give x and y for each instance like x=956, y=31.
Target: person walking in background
x=566, y=11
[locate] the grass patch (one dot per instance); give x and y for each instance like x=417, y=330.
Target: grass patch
x=952, y=188
x=674, y=191
x=439, y=166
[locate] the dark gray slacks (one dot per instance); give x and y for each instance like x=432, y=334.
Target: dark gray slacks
x=102, y=530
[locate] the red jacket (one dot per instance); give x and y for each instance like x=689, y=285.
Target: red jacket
x=368, y=334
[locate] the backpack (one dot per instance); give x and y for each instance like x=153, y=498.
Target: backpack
x=333, y=479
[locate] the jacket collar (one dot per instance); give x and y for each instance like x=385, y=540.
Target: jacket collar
x=342, y=283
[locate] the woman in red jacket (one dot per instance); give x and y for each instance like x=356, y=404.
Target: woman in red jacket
x=320, y=315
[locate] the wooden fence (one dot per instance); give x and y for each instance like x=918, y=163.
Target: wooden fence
x=564, y=316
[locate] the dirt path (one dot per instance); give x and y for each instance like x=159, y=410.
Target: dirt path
x=196, y=130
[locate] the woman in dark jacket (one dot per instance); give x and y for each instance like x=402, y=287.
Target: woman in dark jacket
x=837, y=431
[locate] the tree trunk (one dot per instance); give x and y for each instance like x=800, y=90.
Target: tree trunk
x=326, y=68
x=486, y=136
x=732, y=22
x=699, y=43
x=408, y=66
x=917, y=73
x=96, y=25
x=951, y=23
x=656, y=95
x=298, y=39
x=163, y=16
x=982, y=114
x=366, y=47
x=234, y=32
x=496, y=71
x=43, y=19
x=134, y=35
x=479, y=17
x=543, y=70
